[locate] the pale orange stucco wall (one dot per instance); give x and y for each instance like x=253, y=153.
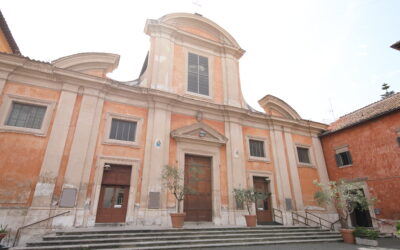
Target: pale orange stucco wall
x=179, y=77
x=307, y=174
x=4, y=46
x=118, y=150
x=199, y=32
x=22, y=154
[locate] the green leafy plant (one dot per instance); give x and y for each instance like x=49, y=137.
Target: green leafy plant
x=398, y=227
x=248, y=196
x=363, y=232
x=172, y=179
x=344, y=196
x=3, y=229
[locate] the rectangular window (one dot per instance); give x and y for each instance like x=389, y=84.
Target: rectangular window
x=123, y=130
x=256, y=148
x=303, y=154
x=343, y=159
x=198, y=74
x=26, y=115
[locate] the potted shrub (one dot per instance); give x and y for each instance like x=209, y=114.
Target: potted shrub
x=248, y=197
x=398, y=229
x=345, y=197
x=172, y=179
x=366, y=236
x=3, y=231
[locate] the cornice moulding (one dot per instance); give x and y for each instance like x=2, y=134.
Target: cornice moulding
x=46, y=75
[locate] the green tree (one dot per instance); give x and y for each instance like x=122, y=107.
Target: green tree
x=172, y=179
x=344, y=196
x=387, y=93
x=248, y=196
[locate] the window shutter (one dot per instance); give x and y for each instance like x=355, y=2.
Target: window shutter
x=123, y=130
x=256, y=148
x=303, y=155
x=26, y=115
x=349, y=157
x=198, y=74
x=193, y=79
x=338, y=160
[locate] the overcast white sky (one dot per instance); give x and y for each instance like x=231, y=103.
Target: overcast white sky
x=312, y=54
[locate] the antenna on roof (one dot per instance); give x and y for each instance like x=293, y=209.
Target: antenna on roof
x=197, y=7
x=331, y=110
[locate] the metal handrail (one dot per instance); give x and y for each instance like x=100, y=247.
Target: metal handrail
x=384, y=222
x=306, y=220
x=322, y=219
x=318, y=217
x=333, y=223
x=37, y=222
x=275, y=215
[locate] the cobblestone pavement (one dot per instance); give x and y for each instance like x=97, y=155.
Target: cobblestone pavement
x=384, y=244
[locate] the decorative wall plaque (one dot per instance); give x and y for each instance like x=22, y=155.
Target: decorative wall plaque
x=288, y=203
x=154, y=200
x=68, y=197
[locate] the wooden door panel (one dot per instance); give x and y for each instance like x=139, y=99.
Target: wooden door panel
x=113, y=204
x=198, y=205
x=113, y=200
x=263, y=207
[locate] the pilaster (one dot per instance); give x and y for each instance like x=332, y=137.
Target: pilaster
x=282, y=174
x=156, y=157
x=295, y=178
x=236, y=168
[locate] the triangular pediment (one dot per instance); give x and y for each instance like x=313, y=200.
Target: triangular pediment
x=199, y=132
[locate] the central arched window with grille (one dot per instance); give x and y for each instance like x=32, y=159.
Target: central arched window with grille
x=198, y=74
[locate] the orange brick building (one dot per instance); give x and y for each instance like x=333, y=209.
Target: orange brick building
x=364, y=146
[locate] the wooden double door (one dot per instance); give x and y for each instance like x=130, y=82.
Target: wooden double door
x=263, y=207
x=114, y=193
x=198, y=203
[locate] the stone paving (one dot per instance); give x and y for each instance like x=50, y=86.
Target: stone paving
x=384, y=244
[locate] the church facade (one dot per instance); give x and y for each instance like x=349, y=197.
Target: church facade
x=74, y=140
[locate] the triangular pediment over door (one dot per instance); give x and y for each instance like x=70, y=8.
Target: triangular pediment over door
x=199, y=132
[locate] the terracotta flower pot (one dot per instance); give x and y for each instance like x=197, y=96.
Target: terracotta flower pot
x=347, y=235
x=251, y=220
x=2, y=235
x=177, y=219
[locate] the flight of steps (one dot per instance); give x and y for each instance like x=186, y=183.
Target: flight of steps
x=181, y=238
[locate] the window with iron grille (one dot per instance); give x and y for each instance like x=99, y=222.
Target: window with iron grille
x=123, y=130
x=303, y=154
x=343, y=159
x=256, y=148
x=198, y=74
x=26, y=115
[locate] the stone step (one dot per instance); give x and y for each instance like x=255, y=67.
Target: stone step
x=147, y=231
x=171, y=235
x=180, y=238
x=92, y=234
x=199, y=246
x=182, y=244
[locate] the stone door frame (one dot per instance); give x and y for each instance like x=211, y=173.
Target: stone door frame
x=265, y=174
x=207, y=150
x=102, y=160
